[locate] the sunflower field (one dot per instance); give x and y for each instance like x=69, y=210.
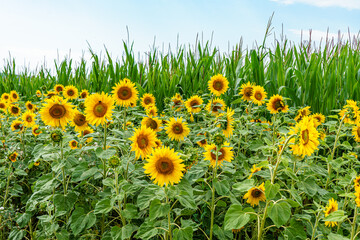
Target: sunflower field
x=227, y=160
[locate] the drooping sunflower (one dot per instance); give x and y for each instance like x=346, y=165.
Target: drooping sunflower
x=356, y=132
x=246, y=91
x=302, y=113
x=255, y=195
x=164, y=166
x=35, y=130
x=14, y=110
x=28, y=118
x=351, y=110
x=151, y=111
x=177, y=102
x=37, y=163
x=5, y=97
x=50, y=94
x=277, y=104
x=73, y=144
x=143, y=141
x=14, y=96
x=17, y=125
x=227, y=126
x=58, y=88
x=319, y=119
x=71, y=92
x=306, y=141
x=193, y=104
x=254, y=169
x=332, y=207
x=38, y=93
x=13, y=156
x=125, y=93
x=99, y=108
x=57, y=112
x=177, y=129
x=218, y=85
x=3, y=106
x=215, y=106
x=84, y=93
x=147, y=100
x=29, y=106
x=258, y=95
x=79, y=121
x=153, y=123
x=225, y=153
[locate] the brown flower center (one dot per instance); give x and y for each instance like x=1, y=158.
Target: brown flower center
x=194, y=104
x=278, y=104
x=178, y=128
x=83, y=95
x=30, y=106
x=305, y=136
x=164, y=166
x=57, y=111
x=100, y=109
x=59, y=89
x=18, y=126
x=86, y=132
x=147, y=100
x=151, y=123
x=70, y=92
x=73, y=143
x=203, y=142
x=218, y=85
x=177, y=102
x=29, y=119
x=79, y=119
x=220, y=157
x=248, y=91
x=14, y=96
x=142, y=141
x=258, y=96
x=2, y=105
x=124, y=93
x=256, y=193
x=15, y=110
x=358, y=131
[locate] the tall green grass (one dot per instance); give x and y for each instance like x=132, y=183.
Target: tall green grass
x=321, y=78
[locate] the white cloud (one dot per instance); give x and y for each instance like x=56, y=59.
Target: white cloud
x=348, y=4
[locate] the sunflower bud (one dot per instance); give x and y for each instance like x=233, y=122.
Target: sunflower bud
x=56, y=136
x=114, y=161
x=219, y=140
x=82, y=105
x=43, y=88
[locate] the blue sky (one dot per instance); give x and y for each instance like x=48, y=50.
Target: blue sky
x=38, y=31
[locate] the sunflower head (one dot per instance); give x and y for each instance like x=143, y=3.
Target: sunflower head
x=37, y=163
x=258, y=95
x=218, y=84
x=219, y=140
x=177, y=129
x=177, y=102
x=50, y=94
x=152, y=111
x=227, y=125
x=28, y=118
x=332, y=207
x=85, y=132
x=35, y=130
x=153, y=123
x=202, y=143
x=17, y=126
x=99, y=108
x=79, y=121
x=357, y=182
x=147, y=100
x=29, y=106
x=319, y=118
x=5, y=97
x=193, y=104
x=224, y=153
x=125, y=93
x=3, y=106
x=302, y=113
x=84, y=93
x=246, y=91
x=164, y=166
x=57, y=112
x=14, y=96
x=71, y=92
x=114, y=161
x=255, y=195
x=58, y=88
x=56, y=136
x=38, y=93
x=143, y=141
x=73, y=144
x=254, y=169
x=215, y=106
x=14, y=110
x=13, y=156
x=277, y=104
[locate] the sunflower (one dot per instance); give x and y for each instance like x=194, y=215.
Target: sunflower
x=277, y=104
x=57, y=112
x=37, y=163
x=202, y=143
x=50, y=94
x=306, y=141
x=59, y=88
x=3, y=106
x=351, y=110
x=153, y=123
x=218, y=85
x=255, y=195
x=73, y=144
x=147, y=100
x=177, y=129
x=12, y=157
x=177, y=102
x=71, y=92
x=125, y=93
x=14, y=96
x=143, y=141
x=357, y=182
x=216, y=105
x=14, y=110
x=254, y=169
x=258, y=95
x=99, y=108
x=5, y=97
x=85, y=132
x=158, y=143
x=193, y=104
x=38, y=93
x=35, y=130
x=28, y=118
x=29, y=106
x=356, y=132
x=17, y=126
x=84, y=93
x=246, y=91
x=302, y=113
x=224, y=154
x=151, y=111
x=227, y=126
x=319, y=118
x=79, y=121
x=357, y=195
x=332, y=207
x=164, y=166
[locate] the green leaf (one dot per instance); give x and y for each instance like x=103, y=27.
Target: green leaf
x=24, y=219
x=89, y=173
x=130, y=211
x=80, y=221
x=183, y=233
x=150, y=193
x=337, y=216
x=295, y=230
x=64, y=204
x=243, y=186
x=105, y=154
x=125, y=232
x=222, y=187
x=221, y=233
x=158, y=209
x=16, y=234
x=185, y=196
x=104, y=206
x=271, y=190
x=146, y=231
x=280, y=213
x=235, y=218
x=333, y=236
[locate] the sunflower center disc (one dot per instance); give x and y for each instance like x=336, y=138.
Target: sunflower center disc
x=142, y=142
x=256, y=193
x=305, y=136
x=2, y=105
x=30, y=106
x=28, y=119
x=14, y=96
x=59, y=89
x=248, y=92
x=71, y=93
x=177, y=128
x=221, y=156
x=358, y=131
x=218, y=85
x=57, y=111
x=86, y=132
x=79, y=120
x=83, y=95
x=17, y=126
x=194, y=103
x=216, y=108
x=164, y=166
x=152, y=124
x=100, y=109
x=258, y=96
x=124, y=93
x=73, y=144
x=147, y=101
x=15, y=110
x=278, y=105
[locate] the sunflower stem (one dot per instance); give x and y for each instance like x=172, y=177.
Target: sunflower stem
x=117, y=194
x=212, y=206
x=315, y=225
x=63, y=168
x=353, y=225
x=169, y=233
x=333, y=151
x=124, y=118
x=263, y=221
x=23, y=143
